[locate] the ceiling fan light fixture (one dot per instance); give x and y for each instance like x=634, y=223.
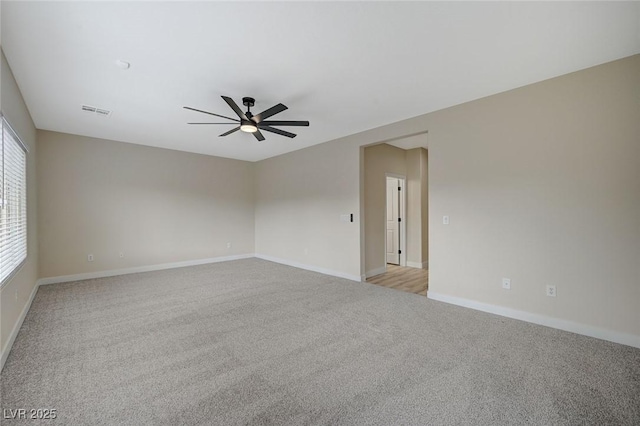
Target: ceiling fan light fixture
x=248, y=127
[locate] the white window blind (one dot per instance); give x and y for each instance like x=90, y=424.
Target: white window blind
x=13, y=203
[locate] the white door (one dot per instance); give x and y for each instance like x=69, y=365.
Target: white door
x=393, y=225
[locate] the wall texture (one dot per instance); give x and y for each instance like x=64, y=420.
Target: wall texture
x=413, y=216
x=542, y=185
x=424, y=206
x=15, y=295
x=417, y=216
x=153, y=205
x=299, y=199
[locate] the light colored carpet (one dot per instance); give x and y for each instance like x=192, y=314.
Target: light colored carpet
x=253, y=342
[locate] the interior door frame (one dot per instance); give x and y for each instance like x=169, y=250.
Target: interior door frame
x=403, y=221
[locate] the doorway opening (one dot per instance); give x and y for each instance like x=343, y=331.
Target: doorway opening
x=395, y=214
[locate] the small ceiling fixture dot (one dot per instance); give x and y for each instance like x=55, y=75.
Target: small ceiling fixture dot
x=123, y=64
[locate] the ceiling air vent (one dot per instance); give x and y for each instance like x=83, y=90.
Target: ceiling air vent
x=99, y=111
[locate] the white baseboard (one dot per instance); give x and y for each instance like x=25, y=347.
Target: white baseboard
x=137, y=269
x=423, y=265
x=16, y=328
x=573, y=327
x=309, y=267
x=374, y=272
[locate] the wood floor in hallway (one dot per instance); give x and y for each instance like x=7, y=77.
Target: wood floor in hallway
x=411, y=280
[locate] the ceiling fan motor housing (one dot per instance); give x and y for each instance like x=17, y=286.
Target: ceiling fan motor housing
x=248, y=102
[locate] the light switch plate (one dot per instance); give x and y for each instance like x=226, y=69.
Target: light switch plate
x=345, y=218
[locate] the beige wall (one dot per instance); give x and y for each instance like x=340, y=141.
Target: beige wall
x=299, y=199
x=424, y=206
x=413, y=217
x=154, y=205
x=417, y=218
x=542, y=185
x=23, y=283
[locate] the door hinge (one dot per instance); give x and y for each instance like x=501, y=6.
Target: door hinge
x=399, y=188
x=399, y=219
x=399, y=251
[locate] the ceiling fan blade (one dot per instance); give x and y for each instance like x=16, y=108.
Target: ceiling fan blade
x=235, y=107
x=230, y=131
x=233, y=124
x=210, y=113
x=269, y=112
x=277, y=131
x=285, y=123
x=258, y=135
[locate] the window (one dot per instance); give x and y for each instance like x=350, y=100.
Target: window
x=13, y=203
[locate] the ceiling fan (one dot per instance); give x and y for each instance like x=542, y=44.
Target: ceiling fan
x=247, y=122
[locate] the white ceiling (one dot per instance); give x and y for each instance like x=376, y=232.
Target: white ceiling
x=345, y=67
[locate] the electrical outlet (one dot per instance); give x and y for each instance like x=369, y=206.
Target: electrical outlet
x=306, y=251
x=90, y=258
x=445, y=220
x=551, y=290
x=16, y=295
x=506, y=283
x=228, y=245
